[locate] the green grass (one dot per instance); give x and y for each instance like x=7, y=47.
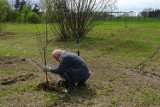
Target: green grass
x=104, y=48
x=144, y=37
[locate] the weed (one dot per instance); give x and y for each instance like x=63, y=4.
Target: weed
x=104, y=91
x=114, y=101
x=90, y=102
x=54, y=96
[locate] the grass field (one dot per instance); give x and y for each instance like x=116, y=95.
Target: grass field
x=125, y=65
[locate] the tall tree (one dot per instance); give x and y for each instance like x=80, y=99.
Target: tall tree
x=17, y=5
x=36, y=9
x=22, y=4
x=76, y=16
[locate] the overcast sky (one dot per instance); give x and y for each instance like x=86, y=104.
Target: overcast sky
x=137, y=5
x=130, y=5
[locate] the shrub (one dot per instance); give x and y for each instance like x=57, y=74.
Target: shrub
x=21, y=18
x=33, y=17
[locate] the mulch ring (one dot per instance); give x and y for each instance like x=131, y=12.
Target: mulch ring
x=12, y=80
x=10, y=60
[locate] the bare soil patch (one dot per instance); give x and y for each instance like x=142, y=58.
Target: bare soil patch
x=6, y=33
x=7, y=62
x=10, y=60
x=12, y=80
x=46, y=86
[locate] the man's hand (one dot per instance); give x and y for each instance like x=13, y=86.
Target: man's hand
x=46, y=69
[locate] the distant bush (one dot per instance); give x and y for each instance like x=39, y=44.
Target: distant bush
x=12, y=15
x=4, y=8
x=21, y=18
x=33, y=17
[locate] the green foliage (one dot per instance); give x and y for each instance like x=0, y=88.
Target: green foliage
x=4, y=7
x=114, y=101
x=105, y=91
x=33, y=17
x=12, y=15
x=52, y=95
x=23, y=14
x=149, y=97
x=26, y=15
x=4, y=93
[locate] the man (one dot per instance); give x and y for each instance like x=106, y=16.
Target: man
x=72, y=69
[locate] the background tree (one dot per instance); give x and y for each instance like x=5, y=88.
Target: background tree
x=17, y=5
x=36, y=9
x=4, y=8
x=23, y=14
x=145, y=12
x=22, y=4
x=33, y=17
x=76, y=16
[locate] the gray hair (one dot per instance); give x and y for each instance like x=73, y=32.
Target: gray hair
x=56, y=51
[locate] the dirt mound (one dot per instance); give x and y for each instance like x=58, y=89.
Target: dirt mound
x=7, y=33
x=10, y=60
x=46, y=86
x=12, y=80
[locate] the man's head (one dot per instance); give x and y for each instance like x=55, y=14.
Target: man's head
x=57, y=53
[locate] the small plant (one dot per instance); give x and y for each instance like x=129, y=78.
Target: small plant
x=105, y=91
x=125, y=19
x=90, y=102
x=114, y=101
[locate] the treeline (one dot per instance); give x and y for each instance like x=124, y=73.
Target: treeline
x=151, y=13
x=20, y=11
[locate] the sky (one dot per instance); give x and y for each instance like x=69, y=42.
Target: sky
x=129, y=5
x=137, y=5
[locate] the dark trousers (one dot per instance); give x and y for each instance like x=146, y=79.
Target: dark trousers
x=71, y=83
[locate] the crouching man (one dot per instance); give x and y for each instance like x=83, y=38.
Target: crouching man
x=72, y=69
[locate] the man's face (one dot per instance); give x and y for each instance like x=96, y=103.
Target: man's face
x=56, y=56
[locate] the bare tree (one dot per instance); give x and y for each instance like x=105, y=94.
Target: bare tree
x=76, y=16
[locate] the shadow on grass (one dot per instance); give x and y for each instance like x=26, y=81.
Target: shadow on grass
x=80, y=96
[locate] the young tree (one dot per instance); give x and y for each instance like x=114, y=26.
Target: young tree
x=76, y=16
x=125, y=17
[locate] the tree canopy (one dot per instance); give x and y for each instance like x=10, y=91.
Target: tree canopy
x=4, y=7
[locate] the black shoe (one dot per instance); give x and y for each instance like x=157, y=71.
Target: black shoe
x=81, y=84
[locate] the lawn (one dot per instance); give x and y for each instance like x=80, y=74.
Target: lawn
x=124, y=63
